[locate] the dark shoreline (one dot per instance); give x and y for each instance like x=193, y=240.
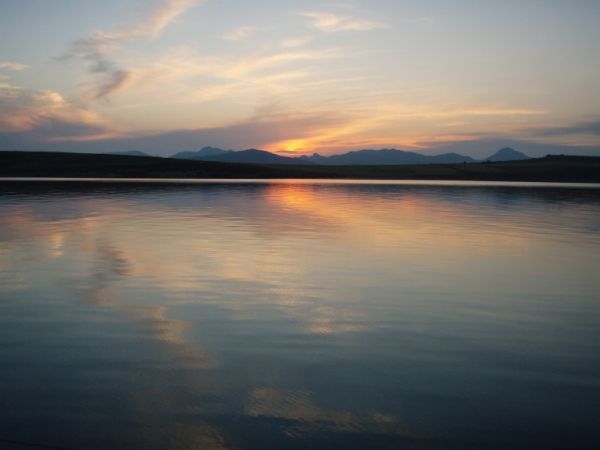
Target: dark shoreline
x=572, y=169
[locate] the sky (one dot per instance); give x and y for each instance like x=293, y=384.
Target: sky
x=300, y=76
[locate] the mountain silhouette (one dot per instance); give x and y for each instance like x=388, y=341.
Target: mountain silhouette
x=507, y=154
x=201, y=154
x=387, y=157
x=383, y=157
x=252, y=156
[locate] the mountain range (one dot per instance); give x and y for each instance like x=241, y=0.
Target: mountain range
x=251, y=156
x=359, y=157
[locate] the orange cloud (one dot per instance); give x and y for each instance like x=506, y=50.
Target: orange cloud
x=47, y=115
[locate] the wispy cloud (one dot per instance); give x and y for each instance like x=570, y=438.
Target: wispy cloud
x=249, y=66
x=295, y=42
x=193, y=77
x=9, y=65
x=331, y=23
x=241, y=33
x=467, y=112
x=96, y=49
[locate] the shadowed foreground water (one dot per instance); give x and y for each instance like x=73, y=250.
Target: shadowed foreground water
x=298, y=315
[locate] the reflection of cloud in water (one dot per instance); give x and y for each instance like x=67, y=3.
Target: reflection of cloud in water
x=102, y=290
x=196, y=437
x=298, y=407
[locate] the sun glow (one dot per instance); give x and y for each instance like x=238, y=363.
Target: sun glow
x=296, y=146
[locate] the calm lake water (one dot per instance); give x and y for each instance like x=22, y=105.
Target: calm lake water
x=299, y=315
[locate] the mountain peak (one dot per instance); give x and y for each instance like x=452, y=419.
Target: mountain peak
x=507, y=154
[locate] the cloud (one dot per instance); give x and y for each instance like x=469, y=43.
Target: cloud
x=95, y=49
x=45, y=115
x=253, y=65
x=241, y=33
x=265, y=128
x=4, y=84
x=466, y=112
x=296, y=42
x=13, y=65
x=330, y=23
x=187, y=77
x=183, y=68
x=592, y=128
x=153, y=23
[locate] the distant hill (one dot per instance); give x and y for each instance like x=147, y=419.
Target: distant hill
x=360, y=157
x=130, y=153
x=201, y=154
x=383, y=157
x=386, y=157
x=253, y=156
x=507, y=154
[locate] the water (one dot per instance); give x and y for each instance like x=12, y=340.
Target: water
x=297, y=315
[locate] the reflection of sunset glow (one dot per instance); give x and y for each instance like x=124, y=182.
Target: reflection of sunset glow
x=57, y=242
x=268, y=252
x=302, y=308
x=331, y=207
x=293, y=196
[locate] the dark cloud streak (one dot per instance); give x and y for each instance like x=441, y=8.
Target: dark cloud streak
x=583, y=128
x=258, y=131
x=94, y=52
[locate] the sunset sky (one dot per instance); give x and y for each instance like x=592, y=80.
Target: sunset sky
x=300, y=76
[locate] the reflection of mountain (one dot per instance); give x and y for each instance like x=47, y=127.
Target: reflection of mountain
x=507, y=154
